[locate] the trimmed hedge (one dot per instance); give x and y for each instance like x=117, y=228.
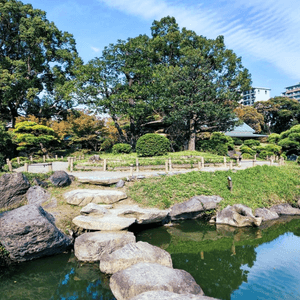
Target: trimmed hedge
x=152, y=144
x=121, y=148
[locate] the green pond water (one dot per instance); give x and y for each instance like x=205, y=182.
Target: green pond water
x=228, y=263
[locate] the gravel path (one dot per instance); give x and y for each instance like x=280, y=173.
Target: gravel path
x=43, y=168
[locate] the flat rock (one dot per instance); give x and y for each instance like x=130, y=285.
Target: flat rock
x=132, y=254
x=98, y=180
x=92, y=245
x=142, y=215
x=266, y=214
x=285, y=209
x=13, y=189
x=37, y=195
x=194, y=207
x=60, y=179
x=143, y=277
x=83, y=197
x=95, y=209
x=237, y=215
x=120, y=183
x=29, y=232
x=107, y=222
x=165, y=295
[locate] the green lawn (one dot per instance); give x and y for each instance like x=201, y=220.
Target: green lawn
x=261, y=186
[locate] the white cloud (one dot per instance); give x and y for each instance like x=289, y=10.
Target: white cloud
x=268, y=30
x=95, y=49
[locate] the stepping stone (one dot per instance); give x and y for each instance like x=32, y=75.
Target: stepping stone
x=83, y=197
x=143, y=277
x=108, y=222
x=92, y=245
x=142, y=215
x=132, y=254
x=97, y=180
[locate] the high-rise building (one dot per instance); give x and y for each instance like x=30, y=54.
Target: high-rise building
x=254, y=95
x=292, y=92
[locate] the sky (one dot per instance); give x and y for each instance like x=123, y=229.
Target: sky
x=264, y=33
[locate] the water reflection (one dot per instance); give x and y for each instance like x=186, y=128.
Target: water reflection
x=59, y=277
x=228, y=263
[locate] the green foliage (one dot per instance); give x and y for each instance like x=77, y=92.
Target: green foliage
x=121, y=148
x=260, y=186
x=245, y=149
x=218, y=143
x=152, y=144
x=273, y=138
x=251, y=143
x=280, y=113
x=35, y=57
x=289, y=140
x=30, y=136
x=237, y=141
x=6, y=147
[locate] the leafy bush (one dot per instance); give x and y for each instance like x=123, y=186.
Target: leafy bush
x=218, y=143
x=121, y=148
x=251, y=143
x=152, y=144
x=273, y=138
x=248, y=150
x=237, y=141
x=247, y=156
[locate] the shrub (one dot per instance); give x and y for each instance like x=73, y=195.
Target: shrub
x=251, y=143
x=237, y=141
x=248, y=150
x=263, y=154
x=218, y=143
x=247, y=156
x=121, y=148
x=273, y=138
x=152, y=144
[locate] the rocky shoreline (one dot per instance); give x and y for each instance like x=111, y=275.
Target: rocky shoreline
x=138, y=270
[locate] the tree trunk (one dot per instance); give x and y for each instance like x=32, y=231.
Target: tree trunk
x=192, y=136
x=115, y=119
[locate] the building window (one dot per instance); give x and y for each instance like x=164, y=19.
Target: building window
x=266, y=92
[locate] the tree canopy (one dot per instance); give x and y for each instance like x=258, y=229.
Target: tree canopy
x=35, y=56
x=187, y=81
x=251, y=117
x=280, y=113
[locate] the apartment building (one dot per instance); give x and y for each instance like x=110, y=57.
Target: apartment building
x=254, y=95
x=292, y=92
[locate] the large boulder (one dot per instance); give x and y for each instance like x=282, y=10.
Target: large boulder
x=266, y=214
x=60, y=179
x=285, y=209
x=165, y=295
x=132, y=254
x=92, y=245
x=37, y=195
x=13, y=188
x=83, y=197
x=143, y=277
x=194, y=207
x=237, y=215
x=29, y=232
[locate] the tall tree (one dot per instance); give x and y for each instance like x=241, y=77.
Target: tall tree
x=34, y=56
x=280, y=113
x=251, y=117
x=198, y=80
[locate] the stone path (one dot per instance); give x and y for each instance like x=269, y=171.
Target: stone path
x=108, y=175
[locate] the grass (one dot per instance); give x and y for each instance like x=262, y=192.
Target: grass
x=125, y=160
x=261, y=186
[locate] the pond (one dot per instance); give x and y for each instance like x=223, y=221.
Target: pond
x=228, y=263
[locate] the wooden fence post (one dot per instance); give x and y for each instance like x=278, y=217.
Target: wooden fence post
x=26, y=167
x=50, y=168
x=202, y=162
x=56, y=157
x=199, y=165
x=230, y=165
x=170, y=164
x=104, y=164
x=225, y=163
x=31, y=158
x=9, y=166
x=71, y=164
x=137, y=165
x=44, y=158
x=166, y=166
x=131, y=170
x=18, y=160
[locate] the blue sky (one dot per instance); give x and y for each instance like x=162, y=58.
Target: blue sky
x=265, y=33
